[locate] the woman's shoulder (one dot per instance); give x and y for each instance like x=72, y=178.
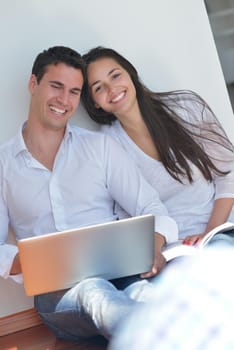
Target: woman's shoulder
x=185, y=99
x=189, y=106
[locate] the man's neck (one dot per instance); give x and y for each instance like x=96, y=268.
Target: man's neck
x=43, y=143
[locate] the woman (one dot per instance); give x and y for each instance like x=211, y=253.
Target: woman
x=174, y=138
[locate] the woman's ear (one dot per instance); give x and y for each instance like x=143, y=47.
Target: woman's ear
x=96, y=105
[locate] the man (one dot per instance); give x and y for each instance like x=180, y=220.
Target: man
x=55, y=176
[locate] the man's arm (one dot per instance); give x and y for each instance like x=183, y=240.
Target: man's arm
x=137, y=197
x=132, y=192
x=9, y=259
x=159, y=260
x=16, y=266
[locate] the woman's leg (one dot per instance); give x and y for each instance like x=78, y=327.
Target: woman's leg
x=222, y=238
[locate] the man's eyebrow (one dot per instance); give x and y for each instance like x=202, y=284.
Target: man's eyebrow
x=61, y=84
x=109, y=73
x=55, y=82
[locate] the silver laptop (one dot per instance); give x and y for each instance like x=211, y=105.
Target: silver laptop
x=111, y=250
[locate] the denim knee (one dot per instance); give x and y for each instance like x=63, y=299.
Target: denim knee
x=61, y=312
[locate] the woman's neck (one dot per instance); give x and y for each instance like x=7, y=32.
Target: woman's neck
x=132, y=120
x=137, y=130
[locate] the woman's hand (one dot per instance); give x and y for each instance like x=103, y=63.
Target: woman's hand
x=193, y=239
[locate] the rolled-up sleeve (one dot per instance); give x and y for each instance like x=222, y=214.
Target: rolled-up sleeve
x=224, y=185
x=7, y=251
x=209, y=133
x=221, y=152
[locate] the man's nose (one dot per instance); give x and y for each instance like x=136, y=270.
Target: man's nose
x=63, y=97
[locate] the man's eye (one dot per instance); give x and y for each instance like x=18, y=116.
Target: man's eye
x=55, y=86
x=75, y=92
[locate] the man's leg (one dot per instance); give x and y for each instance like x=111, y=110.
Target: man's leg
x=141, y=291
x=61, y=312
x=93, y=307
x=104, y=304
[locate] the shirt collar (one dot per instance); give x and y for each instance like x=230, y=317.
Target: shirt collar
x=68, y=133
x=19, y=144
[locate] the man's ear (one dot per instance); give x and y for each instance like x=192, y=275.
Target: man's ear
x=32, y=83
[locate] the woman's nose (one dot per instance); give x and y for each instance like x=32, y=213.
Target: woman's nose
x=110, y=88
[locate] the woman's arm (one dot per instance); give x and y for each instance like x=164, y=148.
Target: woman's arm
x=219, y=215
x=221, y=152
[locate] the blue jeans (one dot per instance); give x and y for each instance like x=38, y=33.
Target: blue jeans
x=226, y=238
x=93, y=307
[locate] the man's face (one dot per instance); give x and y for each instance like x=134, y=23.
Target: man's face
x=56, y=97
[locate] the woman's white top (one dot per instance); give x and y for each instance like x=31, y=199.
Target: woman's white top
x=189, y=204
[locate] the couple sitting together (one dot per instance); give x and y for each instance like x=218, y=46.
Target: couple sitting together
x=160, y=153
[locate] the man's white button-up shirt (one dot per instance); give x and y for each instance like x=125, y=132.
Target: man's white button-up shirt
x=91, y=173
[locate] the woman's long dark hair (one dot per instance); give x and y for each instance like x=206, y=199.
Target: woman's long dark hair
x=175, y=139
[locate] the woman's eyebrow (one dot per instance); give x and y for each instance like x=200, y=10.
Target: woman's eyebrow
x=109, y=73
x=112, y=70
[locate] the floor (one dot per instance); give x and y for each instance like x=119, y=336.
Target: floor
x=40, y=338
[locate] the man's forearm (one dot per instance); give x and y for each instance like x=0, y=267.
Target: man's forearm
x=16, y=266
x=159, y=242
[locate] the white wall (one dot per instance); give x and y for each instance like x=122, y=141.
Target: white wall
x=170, y=42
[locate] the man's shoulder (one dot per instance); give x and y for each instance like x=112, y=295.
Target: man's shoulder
x=78, y=130
x=93, y=141
x=86, y=134
x=7, y=152
x=110, y=128
x=7, y=146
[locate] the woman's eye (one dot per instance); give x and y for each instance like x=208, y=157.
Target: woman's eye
x=98, y=88
x=116, y=75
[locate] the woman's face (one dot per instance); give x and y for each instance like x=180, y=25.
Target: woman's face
x=111, y=87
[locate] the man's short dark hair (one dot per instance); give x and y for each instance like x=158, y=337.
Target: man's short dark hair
x=55, y=55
